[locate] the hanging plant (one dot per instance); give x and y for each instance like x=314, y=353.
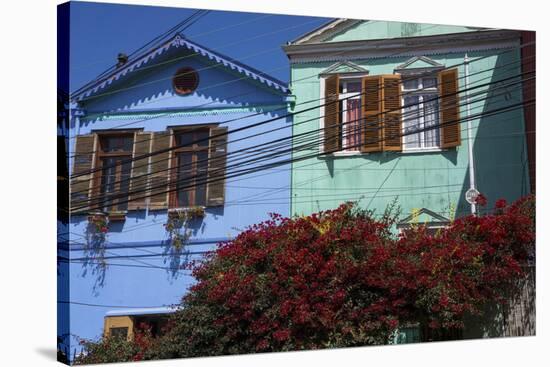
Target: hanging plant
x=100, y=222
x=96, y=236
x=177, y=225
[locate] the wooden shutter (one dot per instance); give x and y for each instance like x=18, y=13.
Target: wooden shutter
x=372, y=128
x=84, y=162
x=391, y=113
x=160, y=172
x=139, y=177
x=215, y=189
x=448, y=108
x=332, y=125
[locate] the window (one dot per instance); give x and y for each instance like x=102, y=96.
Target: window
x=114, y=161
x=350, y=114
x=118, y=332
x=396, y=114
x=420, y=112
x=190, y=167
x=185, y=81
x=122, y=171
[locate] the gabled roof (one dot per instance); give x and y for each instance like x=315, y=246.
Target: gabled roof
x=419, y=62
x=343, y=67
x=325, y=30
x=423, y=216
x=178, y=40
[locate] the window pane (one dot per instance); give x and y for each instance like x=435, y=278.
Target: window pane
x=184, y=179
x=110, y=144
x=119, y=332
x=184, y=139
x=352, y=132
x=125, y=185
x=202, y=170
x=431, y=118
x=353, y=87
x=202, y=135
x=429, y=82
x=410, y=84
x=108, y=178
x=411, y=122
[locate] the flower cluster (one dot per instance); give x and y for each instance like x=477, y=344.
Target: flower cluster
x=341, y=278
x=99, y=222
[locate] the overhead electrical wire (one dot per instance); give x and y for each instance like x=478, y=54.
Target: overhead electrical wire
x=254, y=169
x=414, y=112
x=258, y=124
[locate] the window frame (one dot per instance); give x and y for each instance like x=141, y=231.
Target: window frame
x=173, y=200
x=100, y=156
x=322, y=79
x=343, y=115
x=421, y=93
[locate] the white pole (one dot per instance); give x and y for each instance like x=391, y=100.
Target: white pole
x=470, y=139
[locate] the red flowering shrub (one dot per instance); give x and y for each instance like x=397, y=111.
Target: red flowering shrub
x=341, y=278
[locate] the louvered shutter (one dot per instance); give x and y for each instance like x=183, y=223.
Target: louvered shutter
x=391, y=113
x=160, y=172
x=332, y=125
x=215, y=189
x=372, y=129
x=140, y=169
x=84, y=162
x=448, y=108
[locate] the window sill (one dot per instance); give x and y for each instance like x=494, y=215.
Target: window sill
x=117, y=216
x=406, y=151
x=422, y=150
x=194, y=211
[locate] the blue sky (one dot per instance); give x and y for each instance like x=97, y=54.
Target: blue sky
x=100, y=31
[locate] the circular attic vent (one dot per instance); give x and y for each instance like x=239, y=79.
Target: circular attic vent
x=185, y=81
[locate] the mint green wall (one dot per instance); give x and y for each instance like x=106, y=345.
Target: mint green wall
x=437, y=180
x=376, y=29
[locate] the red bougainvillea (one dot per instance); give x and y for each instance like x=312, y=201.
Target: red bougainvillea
x=341, y=278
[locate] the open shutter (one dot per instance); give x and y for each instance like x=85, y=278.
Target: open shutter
x=391, y=113
x=215, y=189
x=84, y=159
x=449, y=109
x=372, y=129
x=332, y=126
x=140, y=169
x=160, y=172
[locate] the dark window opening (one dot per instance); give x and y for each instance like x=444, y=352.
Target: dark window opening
x=113, y=158
x=191, y=168
x=185, y=81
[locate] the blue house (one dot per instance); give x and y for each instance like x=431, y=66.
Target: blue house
x=164, y=151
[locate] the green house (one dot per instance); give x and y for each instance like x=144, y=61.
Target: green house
x=417, y=112
x=428, y=115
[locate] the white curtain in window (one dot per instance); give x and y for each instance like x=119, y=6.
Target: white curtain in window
x=411, y=122
x=352, y=129
x=431, y=136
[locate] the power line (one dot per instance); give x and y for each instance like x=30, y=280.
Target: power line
x=322, y=98
x=311, y=76
x=294, y=136
x=496, y=111
x=201, y=183
x=112, y=68
x=259, y=124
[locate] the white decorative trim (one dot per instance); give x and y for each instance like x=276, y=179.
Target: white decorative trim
x=402, y=47
x=333, y=68
x=404, y=67
x=332, y=27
